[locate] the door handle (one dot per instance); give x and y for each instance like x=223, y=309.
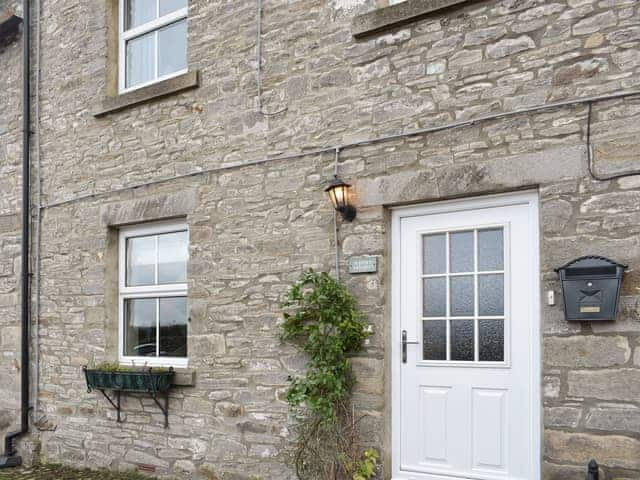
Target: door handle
x=404, y=345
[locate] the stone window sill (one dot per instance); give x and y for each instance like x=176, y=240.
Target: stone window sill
x=398, y=15
x=184, y=377
x=158, y=90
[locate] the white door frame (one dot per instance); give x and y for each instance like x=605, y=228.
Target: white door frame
x=528, y=198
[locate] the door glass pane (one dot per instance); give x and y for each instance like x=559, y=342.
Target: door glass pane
x=434, y=253
x=434, y=339
x=462, y=342
x=140, y=327
x=141, y=261
x=172, y=48
x=491, y=340
x=491, y=294
x=491, y=249
x=139, y=12
x=173, y=253
x=434, y=297
x=168, y=6
x=461, y=252
x=140, y=60
x=464, y=289
x=462, y=296
x=173, y=327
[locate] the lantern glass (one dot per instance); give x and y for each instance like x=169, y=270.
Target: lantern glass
x=339, y=196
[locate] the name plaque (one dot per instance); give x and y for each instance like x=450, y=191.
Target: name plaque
x=364, y=264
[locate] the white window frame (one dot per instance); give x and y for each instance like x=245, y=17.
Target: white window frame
x=152, y=291
x=125, y=35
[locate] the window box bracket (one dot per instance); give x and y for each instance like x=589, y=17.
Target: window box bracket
x=154, y=383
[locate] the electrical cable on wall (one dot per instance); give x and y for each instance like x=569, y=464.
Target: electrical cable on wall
x=590, y=159
x=259, y=67
x=370, y=141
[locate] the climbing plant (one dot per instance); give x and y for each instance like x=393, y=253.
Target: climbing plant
x=322, y=318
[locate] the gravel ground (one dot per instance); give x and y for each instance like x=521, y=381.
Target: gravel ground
x=53, y=472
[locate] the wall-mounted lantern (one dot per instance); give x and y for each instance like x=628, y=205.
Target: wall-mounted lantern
x=591, y=288
x=339, y=194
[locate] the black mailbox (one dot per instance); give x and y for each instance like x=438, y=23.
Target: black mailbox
x=591, y=288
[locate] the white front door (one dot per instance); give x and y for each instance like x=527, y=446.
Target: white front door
x=466, y=395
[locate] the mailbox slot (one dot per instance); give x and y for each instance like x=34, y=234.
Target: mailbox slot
x=591, y=288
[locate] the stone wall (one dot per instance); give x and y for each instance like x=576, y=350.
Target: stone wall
x=255, y=228
x=10, y=179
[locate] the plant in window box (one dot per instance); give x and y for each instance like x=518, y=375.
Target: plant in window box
x=323, y=319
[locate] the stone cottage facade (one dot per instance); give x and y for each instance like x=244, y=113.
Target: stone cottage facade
x=243, y=167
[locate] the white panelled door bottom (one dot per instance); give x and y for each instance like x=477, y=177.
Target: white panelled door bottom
x=466, y=400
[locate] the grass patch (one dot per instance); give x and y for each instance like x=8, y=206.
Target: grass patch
x=57, y=472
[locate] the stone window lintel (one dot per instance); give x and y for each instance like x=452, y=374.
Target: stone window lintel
x=400, y=14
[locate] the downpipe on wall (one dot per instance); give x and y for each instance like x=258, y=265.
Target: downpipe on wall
x=10, y=457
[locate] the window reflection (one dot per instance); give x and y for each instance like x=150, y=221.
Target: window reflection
x=173, y=327
x=140, y=327
x=173, y=253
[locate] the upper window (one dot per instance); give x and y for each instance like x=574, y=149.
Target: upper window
x=153, y=294
x=153, y=41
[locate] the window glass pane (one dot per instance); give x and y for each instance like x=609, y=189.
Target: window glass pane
x=168, y=6
x=461, y=252
x=434, y=297
x=434, y=253
x=140, y=60
x=434, y=340
x=462, y=343
x=491, y=294
x=172, y=48
x=140, y=327
x=491, y=249
x=141, y=261
x=491, y=340
x=139, y=12
x=462, y=296
x=173, y=253
x=173, y=327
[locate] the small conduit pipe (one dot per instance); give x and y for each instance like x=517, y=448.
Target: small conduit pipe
x=259, y=65
x=9, y=458
x=36, y=234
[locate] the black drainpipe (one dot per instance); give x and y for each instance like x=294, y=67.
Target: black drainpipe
x=9, y=458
